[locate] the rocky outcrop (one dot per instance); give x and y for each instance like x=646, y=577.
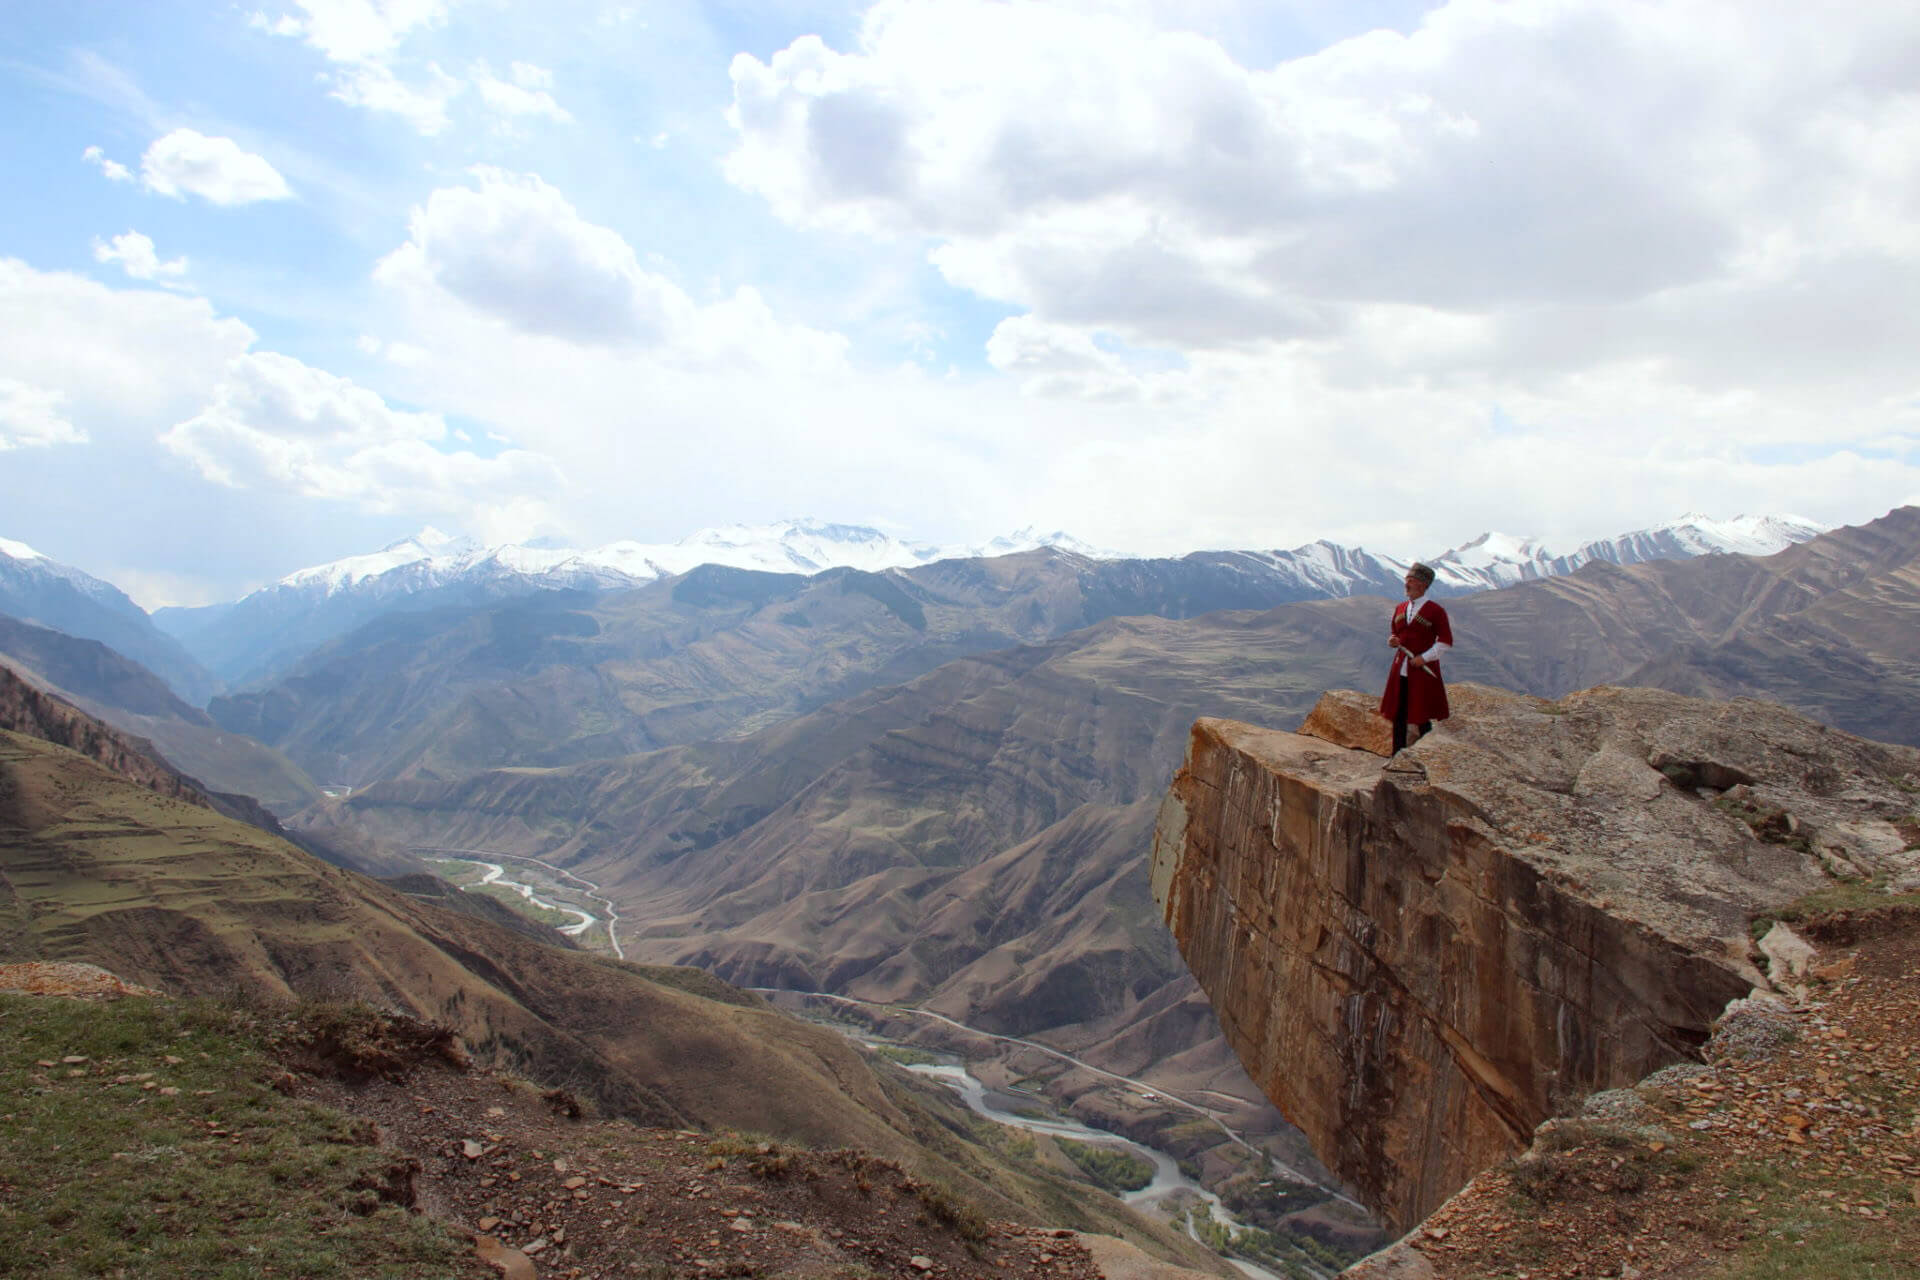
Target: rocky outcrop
x=1417, y=958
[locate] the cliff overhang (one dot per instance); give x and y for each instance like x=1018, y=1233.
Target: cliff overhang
x=1420, y=959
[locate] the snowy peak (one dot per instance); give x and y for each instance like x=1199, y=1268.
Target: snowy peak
x=1500, y=560
x=18, y=550
x=38, y=589
x=22, y=563
x=431, y=558
x=429, y=547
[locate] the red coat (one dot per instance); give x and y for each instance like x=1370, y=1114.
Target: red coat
x=1427, y=695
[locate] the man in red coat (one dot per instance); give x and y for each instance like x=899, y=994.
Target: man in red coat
x=1415, y=694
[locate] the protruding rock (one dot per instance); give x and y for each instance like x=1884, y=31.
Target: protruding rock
x=1416, y=957
x=1348, y=718
x=1789, y=956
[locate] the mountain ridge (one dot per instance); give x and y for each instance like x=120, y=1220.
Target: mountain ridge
x=259, y=636
x=38, y=589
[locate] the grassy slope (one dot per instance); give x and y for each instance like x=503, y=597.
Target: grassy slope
x=165, y=1153
x=174, y=896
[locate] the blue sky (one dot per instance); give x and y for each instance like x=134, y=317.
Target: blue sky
x=284, y=281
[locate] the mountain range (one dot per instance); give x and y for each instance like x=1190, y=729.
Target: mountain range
x=928, y=784
x=972, y=839
x=36, y=588
x=258, y=637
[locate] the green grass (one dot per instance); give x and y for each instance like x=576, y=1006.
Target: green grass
x=1807, y=1239
x=512, y=899
x=1111, y=1168
x=905, y=1055
x=1844, y=895
x=206, y=1173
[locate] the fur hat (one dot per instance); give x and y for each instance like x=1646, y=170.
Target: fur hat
x=1422, y=572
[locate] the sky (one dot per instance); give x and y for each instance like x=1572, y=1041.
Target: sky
x=287, y=280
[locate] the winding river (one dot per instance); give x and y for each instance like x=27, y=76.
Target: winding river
x=1168, y=1182
x=496, y=874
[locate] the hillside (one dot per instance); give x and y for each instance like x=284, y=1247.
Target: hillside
x=562, y=677
x=969, y=838
x=120, y=691
x=439, y=676
x=38, y=589
x=174, y=896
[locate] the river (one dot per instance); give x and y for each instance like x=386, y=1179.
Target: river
x=497, y=874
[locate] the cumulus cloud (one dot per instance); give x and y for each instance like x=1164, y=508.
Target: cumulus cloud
x=137, y=257
x=276, y=423
x=113, y=169
x=513, y=248
x=187, y=162
x=31, y=417
x=525, y=93
x=1586, y=166
x=363, y=39
x=1054, y=359
x=151, y=378
x=122, y=357
x=422, y=102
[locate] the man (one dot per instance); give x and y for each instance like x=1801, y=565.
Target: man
x=1415, y=694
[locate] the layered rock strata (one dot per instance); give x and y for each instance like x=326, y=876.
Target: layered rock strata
x=1418, y=958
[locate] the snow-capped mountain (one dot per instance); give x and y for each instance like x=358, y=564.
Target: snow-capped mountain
x=39, y=589
x=1500, y=560
x=431, y=558
x=268, y=629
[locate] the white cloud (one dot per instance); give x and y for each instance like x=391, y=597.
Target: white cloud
x=275, y=423
x=1059, y=360
x=137, y=257
x=113, y=169
x=149, y=377
x=32, y=418
x=186, y=162
x=357, y=30
x=1499, y=160
x=422, y=104
x=514, y=249
x=126, y=359
x=525, y=94
x=400, y=353
x=363, y=39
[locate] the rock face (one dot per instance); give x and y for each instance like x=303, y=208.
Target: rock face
x=1419, y=958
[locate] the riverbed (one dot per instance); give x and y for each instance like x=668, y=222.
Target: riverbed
x=1168, y=1184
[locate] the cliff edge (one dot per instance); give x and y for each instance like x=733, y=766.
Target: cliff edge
x=1419, y=958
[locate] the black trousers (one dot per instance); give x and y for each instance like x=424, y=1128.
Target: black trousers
x=1400, y=714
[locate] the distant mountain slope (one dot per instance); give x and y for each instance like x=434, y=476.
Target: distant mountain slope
x=557, y=677
x=975, y=838
x=253, y=641
x=262, y=634
x=37, y=589
x=95, y=867
x=125, y=694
